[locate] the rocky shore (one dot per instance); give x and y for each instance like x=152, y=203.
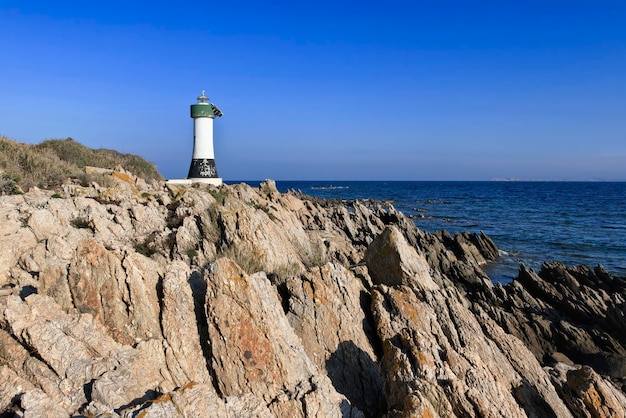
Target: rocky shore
x=143, y=299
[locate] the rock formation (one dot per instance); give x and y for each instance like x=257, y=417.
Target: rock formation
x=153, y=300
x=571, y=315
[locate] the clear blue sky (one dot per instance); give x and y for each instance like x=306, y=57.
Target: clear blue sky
x=327, y=90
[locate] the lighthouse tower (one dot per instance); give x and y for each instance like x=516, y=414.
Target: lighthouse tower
x=202, y=169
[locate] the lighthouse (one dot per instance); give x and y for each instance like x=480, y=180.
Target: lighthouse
x=202, y=168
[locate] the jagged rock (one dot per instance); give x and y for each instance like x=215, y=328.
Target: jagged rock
x=15, y=240
x=434, y=346
x=12, y=387
x=118, y=290
x=28, y=368
x=572, y=311
x=247, y=405
x=393, y=262
x=78, y=351
x=256, y=242
x=36, y=404
x=460, y=257
x=268, y=187
x=326, y=310
x=181, y=321
x=147, y=219
x=190, y=400
x=586, y=393
x=118, y=301
x=188, y=235
x=43, y=224
x=255, y=350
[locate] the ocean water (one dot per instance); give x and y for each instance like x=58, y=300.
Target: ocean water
x=530, y=222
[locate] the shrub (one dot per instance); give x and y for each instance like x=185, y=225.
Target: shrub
x=285, y=271
x=218, y=195
x=249, y=259
x=144, y=250
x=315, y=257
x=254, y=204
x=8, y=184
x=77, y=154
x=80, y=223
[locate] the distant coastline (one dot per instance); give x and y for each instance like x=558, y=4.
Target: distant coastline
x=326, y=183
x=559, y=181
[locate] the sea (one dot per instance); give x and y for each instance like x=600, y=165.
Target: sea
x=530, y=222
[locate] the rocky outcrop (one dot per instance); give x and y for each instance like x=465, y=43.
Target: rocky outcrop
x=255, y=350
x=574, y=315
x=156, y=300
x=329, y=310
x=586, y=393
x=392, y=262
x=435, y=349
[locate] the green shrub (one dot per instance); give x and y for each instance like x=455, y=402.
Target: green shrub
x=77, y=154
x=9, y=184
x=254, y=204
x=219, y=195
x=144, y=250
x=80, y=223
x=316, y=256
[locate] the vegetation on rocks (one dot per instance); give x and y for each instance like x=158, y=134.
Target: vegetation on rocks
x=52, y=162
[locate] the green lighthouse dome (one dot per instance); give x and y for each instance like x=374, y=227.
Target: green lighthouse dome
x=203, y=109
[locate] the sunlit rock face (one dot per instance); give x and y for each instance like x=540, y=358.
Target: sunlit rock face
x=165, y=300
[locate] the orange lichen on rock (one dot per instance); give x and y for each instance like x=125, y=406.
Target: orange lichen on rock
x=257, y=352
x=122, y=176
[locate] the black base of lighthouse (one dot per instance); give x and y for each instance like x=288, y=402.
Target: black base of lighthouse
x=202, y=168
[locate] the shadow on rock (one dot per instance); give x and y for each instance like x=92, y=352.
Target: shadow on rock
x=531, y=401
x=198, y=291
x=355, y=375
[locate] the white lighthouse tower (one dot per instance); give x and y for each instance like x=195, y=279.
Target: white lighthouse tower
x=202, y=168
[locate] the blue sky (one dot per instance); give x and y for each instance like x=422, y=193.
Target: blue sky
x=343, y=90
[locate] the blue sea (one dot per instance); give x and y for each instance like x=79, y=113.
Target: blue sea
x=530, y=222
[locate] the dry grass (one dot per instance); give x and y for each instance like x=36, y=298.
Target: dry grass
x=77, y=154
x=314, y=257
x=251, y=260
x=285, y=271
x=49, y=164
